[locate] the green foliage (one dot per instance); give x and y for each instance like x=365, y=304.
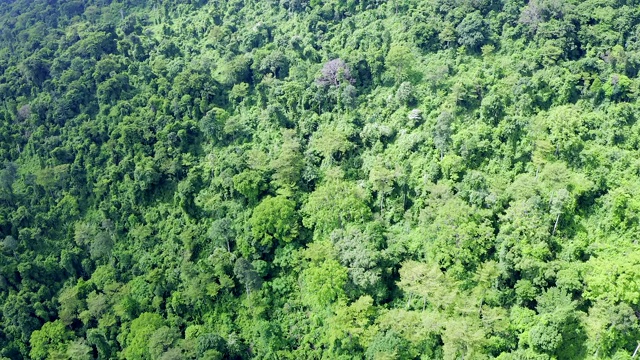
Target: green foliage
x=138, y=341
x=246, y=273
x=325, y=278
x=50, y=340
x=333, y=205
x=400, y=62
x=289, y=163
x=249, y=183
x=274, y=219
x=358, y=251
x=614, y=279
x=388, y=345
x=319, y=179
x=471, y=31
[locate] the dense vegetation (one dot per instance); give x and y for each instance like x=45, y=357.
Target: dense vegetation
x=435, y=179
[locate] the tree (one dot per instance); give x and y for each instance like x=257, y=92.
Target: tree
x=442, y=132
x=247, y=275
x=334, y=204
x=463, y=337
x=611, y=277
x=8, y=176
x=419, y=330
x=10, y=244
x=250, y=184
x=210, y=342
x=405, y=94
x=358, y=252
x=532, y=15
x=400, y=61
x=275, y=218
x=388, y=345
x=289, y=162
x=382, y=180
x=35, y=69
x=275, y=63
x=558, y=330
x=331, y=141
x=79, y=349
x=162, y=340
x=471, y=31
x=426, y=282
x=350, y=327
x=212, y=123
x=136, y=346
x=50, y=340
x=558, y=202
x=458, y=235
x=610, y=327
x=71, y=303
x=324, y=279
x=334, y=73
x=221, y=233
x=101, y=246
x=239, y=92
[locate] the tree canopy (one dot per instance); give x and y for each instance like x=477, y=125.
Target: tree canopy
x=319, y=179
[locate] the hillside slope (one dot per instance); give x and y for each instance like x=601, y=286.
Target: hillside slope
x=438, y=179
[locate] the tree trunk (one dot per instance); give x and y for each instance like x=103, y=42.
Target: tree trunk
x=555, y=226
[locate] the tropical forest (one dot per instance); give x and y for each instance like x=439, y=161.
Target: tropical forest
x=320, y=179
